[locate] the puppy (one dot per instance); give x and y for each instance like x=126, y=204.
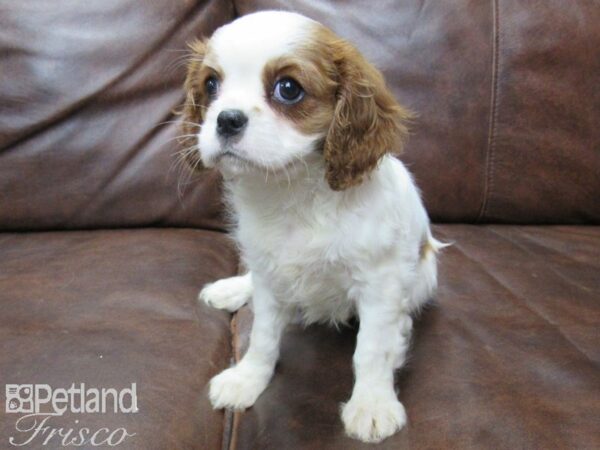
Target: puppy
x=329, y=224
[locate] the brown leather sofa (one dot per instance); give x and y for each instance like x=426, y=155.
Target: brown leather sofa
x=105, y=243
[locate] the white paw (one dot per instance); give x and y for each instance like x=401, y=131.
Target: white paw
x=237, y=388
x=374, y=417
x=229, y=294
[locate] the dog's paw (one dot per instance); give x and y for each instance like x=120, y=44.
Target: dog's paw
x=236, y=388
x=372, y=418
x=229, y=294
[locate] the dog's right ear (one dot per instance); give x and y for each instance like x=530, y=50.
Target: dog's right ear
x=194, y=107
x=367, y=121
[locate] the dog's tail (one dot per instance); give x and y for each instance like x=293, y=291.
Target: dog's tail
x=431, y=246
x=426, y=284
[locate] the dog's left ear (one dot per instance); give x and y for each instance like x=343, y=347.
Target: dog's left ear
x=367, y=121
x=193, y=111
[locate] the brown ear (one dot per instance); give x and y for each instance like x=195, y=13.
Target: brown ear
x=367, y=122
x=194, y=106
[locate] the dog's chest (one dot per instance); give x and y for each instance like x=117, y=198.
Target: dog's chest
x=304, y=261
x=290, y=246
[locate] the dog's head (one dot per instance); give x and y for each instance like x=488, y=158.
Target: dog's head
x=273, y=89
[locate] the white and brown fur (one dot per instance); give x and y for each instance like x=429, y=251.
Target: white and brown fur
x=328, y=222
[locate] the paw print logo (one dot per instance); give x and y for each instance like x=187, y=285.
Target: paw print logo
x=19, y=398
x=13, y=405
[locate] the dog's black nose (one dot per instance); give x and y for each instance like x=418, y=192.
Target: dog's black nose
x=231, y=122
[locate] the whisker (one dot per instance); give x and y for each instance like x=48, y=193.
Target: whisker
x=186, y=150
x=170, y=122
x=179, y=62
x=287, y=174
x=181, y=50
x=183, y=136
x=303, y=161
x=194, y=105
x=185, y=173
x=179, y=161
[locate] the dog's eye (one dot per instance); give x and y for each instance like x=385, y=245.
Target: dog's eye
x=288, y=91
x=212, y=86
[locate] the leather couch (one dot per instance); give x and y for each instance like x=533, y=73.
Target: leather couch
x=105, y=240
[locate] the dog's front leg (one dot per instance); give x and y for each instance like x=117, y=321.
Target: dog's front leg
x=239, y=386
x=229, y=294
x=374, y=412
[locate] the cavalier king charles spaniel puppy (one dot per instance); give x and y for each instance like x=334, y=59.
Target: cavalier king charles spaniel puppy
x=328, y=222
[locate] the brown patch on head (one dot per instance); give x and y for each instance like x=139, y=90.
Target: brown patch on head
x=197, y=100
x=365, y=120
x=313, y=113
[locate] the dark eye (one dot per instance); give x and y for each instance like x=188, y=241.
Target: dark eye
x=212, y=86
x=288, y=91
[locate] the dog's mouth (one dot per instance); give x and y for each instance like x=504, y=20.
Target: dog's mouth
x=230, y=154
x=231, y=161
x=230, y=157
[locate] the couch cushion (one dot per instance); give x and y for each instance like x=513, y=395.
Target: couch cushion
x=111, y=308
x=87, y=91
x=506, y=95
x=507, y=356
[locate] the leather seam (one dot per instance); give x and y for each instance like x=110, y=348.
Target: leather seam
x=233, y=416
x=491, y=144
x=227, y=429
x=229, y=415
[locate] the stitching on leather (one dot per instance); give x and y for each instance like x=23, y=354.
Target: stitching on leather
x=230, y=442
x=489, y=163
x=227, y=429
x=229, y=419
x=234, y=429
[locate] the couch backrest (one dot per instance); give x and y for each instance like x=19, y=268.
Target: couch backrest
x=85, y=89
x=506, y=92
